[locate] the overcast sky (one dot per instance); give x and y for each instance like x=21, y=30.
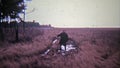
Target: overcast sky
x=75, y=13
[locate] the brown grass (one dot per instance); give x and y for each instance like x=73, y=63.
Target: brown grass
x=99, y=48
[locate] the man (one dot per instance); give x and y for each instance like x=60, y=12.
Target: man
x=63, y=39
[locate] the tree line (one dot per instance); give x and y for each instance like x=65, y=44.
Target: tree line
x=10, y=10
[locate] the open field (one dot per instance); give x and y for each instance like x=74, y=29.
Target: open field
x=98, y=48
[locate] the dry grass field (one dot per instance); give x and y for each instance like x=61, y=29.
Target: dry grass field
x=98, y=48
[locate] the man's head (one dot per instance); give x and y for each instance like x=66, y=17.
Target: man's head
x=63, y=30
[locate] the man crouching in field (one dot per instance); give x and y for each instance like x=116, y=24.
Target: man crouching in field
x=63, y=39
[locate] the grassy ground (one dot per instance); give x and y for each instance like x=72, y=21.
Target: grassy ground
x=99, y=48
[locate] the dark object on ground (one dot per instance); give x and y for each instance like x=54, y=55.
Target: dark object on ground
x=53, y=49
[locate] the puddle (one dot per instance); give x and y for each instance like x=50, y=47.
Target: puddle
x=68, y=47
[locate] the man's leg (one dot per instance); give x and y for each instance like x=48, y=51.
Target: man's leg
x=65, y=46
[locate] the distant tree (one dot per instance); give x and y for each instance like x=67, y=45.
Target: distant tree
x=1, y=31
x=11, y=9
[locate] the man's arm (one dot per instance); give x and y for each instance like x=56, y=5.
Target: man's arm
x=59, y=35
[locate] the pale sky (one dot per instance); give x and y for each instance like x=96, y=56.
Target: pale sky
x=75, y=13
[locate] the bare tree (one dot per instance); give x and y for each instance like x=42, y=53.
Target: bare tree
x=11, y=8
